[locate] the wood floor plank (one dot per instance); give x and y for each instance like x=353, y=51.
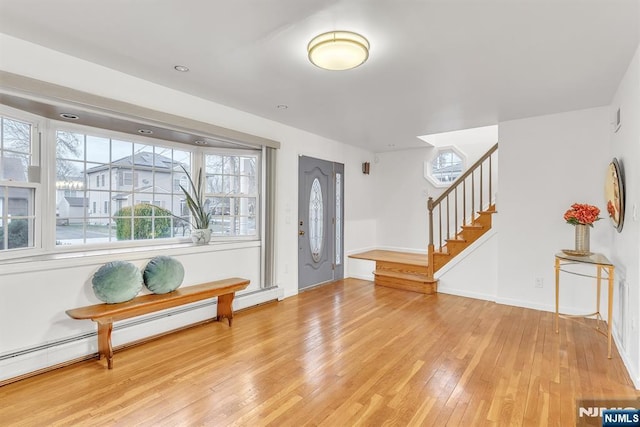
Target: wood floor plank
x=343, y=354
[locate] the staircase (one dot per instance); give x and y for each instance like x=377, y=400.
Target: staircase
x=459, y=217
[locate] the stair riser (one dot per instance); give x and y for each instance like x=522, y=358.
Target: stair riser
x=470, y=234
x=401, y=268
x=407, y=285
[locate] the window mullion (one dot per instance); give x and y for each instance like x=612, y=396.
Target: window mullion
x=47, y=197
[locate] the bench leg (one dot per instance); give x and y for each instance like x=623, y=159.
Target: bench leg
x=104, y=342
x=224, y=307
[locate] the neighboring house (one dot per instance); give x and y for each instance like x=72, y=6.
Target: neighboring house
x=12, y=169
x=71, y=210
x=140, y=178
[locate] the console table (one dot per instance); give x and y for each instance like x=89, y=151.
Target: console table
x=602, y=265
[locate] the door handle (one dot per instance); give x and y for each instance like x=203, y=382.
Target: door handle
x=301, y=233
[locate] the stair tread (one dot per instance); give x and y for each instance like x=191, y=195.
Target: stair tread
x=405, y=258
x=441, y=253
x=457, y=240
x=397, y=274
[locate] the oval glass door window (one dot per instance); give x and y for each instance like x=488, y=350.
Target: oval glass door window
x=316, y=216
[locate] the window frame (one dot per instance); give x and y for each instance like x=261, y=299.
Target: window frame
x=428, y=165
x=44, y=154
x=258, y=154
x=120, y=174
x=35, y=155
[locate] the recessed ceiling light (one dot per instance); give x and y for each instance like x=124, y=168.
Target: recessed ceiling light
x=69, y=116
x=145, y=131
x=200, y=142
x=181, y=68
x=282, y=106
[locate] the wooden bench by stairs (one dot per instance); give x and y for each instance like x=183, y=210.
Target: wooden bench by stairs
x=105, y=314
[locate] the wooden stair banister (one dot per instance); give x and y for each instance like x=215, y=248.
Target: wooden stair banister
x=415, y=272
x=467, y=217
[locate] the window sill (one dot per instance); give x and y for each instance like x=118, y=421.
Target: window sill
x=53, y=261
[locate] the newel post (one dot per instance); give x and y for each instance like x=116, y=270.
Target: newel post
x=430, y=247
x=430, y=207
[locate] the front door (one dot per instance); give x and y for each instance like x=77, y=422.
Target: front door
x=320, y=221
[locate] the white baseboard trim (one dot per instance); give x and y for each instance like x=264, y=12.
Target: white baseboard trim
x=360, y=250
x=525, y=304
x=51, y=354
x=541, y=307
x=465, y=293
x=626, y=359
x=363, y=277
x=399, y=249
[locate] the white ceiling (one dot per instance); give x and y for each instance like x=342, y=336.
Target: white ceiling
x=434, y=65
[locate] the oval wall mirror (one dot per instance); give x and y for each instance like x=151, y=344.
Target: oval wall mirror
x=614, y=194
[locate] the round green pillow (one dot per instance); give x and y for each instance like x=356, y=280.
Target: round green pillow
x=163, y=274
x=117, y=281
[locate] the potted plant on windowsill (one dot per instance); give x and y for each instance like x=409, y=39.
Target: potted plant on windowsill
x=200, y=218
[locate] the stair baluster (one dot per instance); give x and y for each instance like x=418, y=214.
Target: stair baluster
x=474, y=224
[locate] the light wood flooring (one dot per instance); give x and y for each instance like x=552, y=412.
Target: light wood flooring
x=342, y=354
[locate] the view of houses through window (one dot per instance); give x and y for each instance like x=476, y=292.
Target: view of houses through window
x=113, y=190
x=232, y=193
x=110, y=189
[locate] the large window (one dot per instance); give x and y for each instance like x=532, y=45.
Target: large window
x=95, y=188
x=232, y=193
x=125, y=190
x=17, y=195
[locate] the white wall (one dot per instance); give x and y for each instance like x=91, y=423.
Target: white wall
x=546, y=164
x=36, y=295
x=401, y=203
x=474, y=272
x=625, y=246
x=33, y=303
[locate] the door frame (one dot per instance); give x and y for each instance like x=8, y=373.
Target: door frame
x=334, y=213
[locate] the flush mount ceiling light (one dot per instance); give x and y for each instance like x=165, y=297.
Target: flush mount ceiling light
x=181, y=68
x=338, y=50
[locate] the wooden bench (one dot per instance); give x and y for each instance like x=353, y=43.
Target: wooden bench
x=105, y=314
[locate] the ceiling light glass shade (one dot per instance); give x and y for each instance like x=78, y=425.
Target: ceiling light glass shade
x=338, y=50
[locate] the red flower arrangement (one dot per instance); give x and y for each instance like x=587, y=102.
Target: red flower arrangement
x=582, y=214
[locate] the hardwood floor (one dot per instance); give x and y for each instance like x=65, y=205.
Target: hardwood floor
x=342, y=354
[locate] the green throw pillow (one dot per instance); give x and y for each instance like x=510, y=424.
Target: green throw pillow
x=117, y=281
x=163, y=274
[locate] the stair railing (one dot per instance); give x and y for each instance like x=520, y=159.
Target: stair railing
x=471, y=192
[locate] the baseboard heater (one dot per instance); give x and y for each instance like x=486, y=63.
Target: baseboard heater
x=124, y=325
x=116, y=327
